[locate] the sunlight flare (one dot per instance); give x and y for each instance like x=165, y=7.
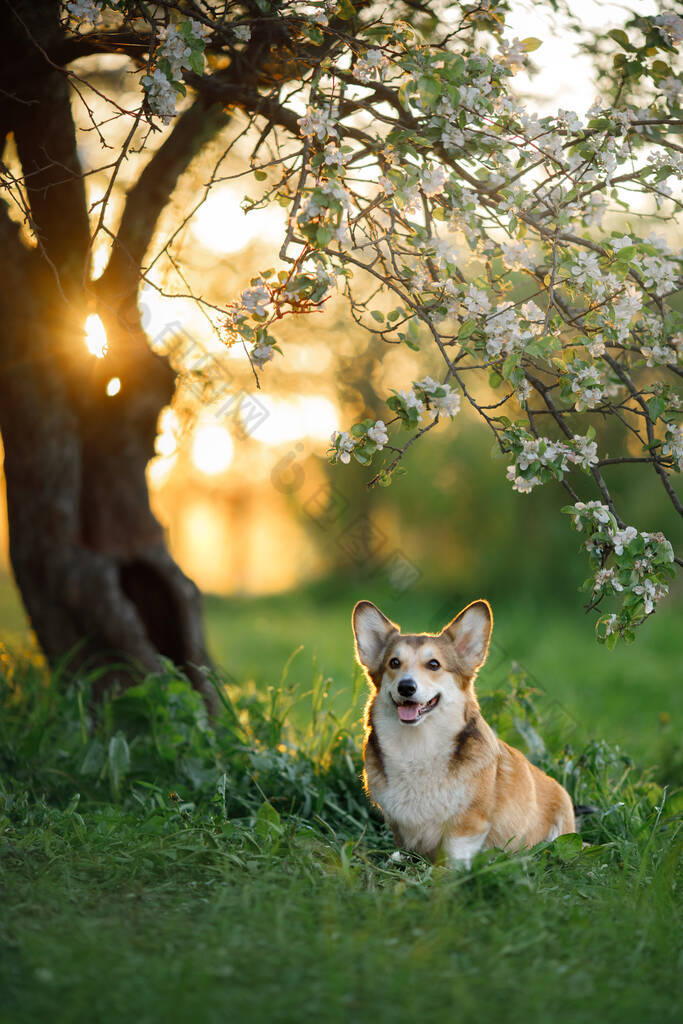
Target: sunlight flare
x=113, y=386
x=96, y=336
x=212, y=449
x=293, y=418
x=221, y=225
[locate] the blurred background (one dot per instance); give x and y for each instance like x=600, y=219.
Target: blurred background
x=283, y=544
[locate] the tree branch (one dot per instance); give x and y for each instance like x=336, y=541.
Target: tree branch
x=45, y=136
x=149, y=196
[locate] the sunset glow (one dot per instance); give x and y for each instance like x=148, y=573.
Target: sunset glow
x=302, y=416
x=221, y=225
x=212, y=449
x=96, y=336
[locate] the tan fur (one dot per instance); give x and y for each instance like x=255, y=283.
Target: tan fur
x=446, y=784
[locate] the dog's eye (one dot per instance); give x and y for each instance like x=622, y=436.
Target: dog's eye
x=394, y=663
x=433, y=664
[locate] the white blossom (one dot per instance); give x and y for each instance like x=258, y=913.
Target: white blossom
x=476, y=301
x=174, y=49
x=586, y=268
x=671, y=87
x=673, y=444
x=412, y=401
x=587, y=385
x=651, y=592
x=593, y=510
x=625, y=308
x=596, y=345
x=378, y=434
x=448, y=403
x=658, y=273
x=585, y=452
x=659, y=355
x=622, y=538
x=161, y=95
x=607, y=578
x=512, y=54
x=593, y=214
x=670, y=25
x=433, y=181
x=242, y=33
x=87, y=12
x=516, y=255
x=621, y=243
x=199, y=30
x=317, y=124
x=504, y=331
x=611, y=624
x=344, y=444
x=521, y=484
x=571, y=119
x=333, y=155
x=371, y=66
x=262, y=354
x=256, y=300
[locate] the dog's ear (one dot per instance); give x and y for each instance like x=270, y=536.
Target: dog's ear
x=372, y=631
x=470, y=634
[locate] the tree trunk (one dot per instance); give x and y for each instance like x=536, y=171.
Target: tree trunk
x=89, y=558
x=88, y=555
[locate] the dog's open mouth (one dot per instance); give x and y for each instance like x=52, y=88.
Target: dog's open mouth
x=411, y=711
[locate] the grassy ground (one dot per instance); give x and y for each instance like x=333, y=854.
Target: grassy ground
x=631, y=696
x=161, y=870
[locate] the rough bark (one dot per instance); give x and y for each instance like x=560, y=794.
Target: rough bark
x=88, y=556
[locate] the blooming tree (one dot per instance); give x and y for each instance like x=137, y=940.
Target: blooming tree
x=453, y=219
x=552, y=326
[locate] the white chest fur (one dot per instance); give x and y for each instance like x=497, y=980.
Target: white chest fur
x=421, y=793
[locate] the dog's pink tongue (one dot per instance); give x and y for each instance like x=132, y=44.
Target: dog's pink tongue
x=408, y=712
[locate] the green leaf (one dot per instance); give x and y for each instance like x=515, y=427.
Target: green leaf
x=568, y=846
x=197, y=61
x=260, y=175
x=430, y=90
x=510, y=364
x=267, y=821
x=531, y=43
x=409, y=342
x=656, y=407
x=376, y=315
x=94, y=759
x=627, y=253
x=660, y=70
x=619, y=36
x=118, y=761
x=346, y=10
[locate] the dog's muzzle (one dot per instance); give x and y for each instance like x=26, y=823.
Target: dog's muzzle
x=411, y=712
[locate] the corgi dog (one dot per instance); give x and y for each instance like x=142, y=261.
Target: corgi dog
x=447, y=786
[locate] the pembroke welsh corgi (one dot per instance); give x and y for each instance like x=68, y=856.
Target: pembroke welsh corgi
x=447, y=786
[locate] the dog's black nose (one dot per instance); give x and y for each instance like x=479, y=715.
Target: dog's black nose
x=407, y=687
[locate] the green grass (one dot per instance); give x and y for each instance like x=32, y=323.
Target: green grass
x=631, y=696
x=153, y=868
